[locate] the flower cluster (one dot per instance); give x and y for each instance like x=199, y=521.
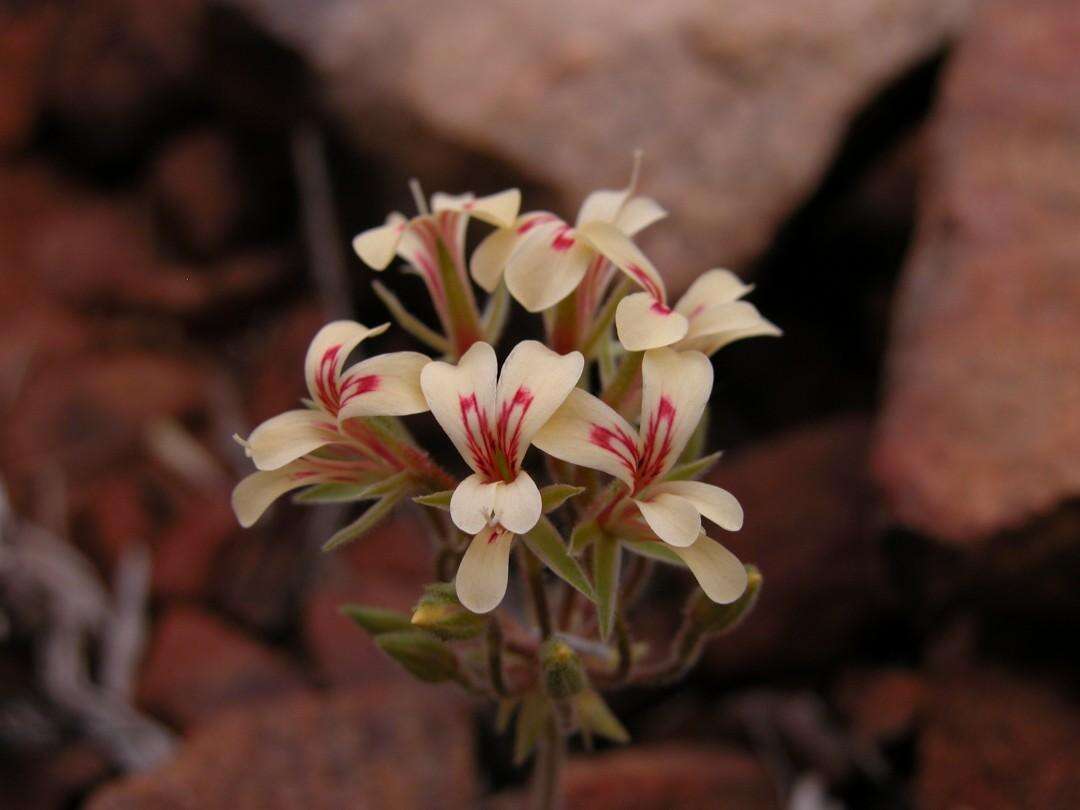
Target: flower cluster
x=608, y=325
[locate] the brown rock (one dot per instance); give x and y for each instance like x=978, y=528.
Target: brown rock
x=198, y=666
x=195, y=185
x=739, y=107
x=25, y=35
x=366, y=750
x=808, y=527
x=388, y=568
x=50, y=780
x=981, y=425
x=118, y=63
x=998, y=743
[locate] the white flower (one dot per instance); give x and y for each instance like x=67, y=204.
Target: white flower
x=675, y=389
x=383, y=385
x=492, y=423
x=434, y=246
x=711, y=311
x=544, y=259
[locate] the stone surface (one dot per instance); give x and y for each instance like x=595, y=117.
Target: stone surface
x=981, y=425
x=54, y=779
x=996, y=742
x=739, y=106
x=387, y=568
x=198, y=665
x=882, y=705
x=809, y=528
x=196, y=188
x=376, y=749
x=25, y=34
x=660, y=777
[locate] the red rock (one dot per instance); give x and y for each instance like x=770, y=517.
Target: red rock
x=739, y=109
x=809, y=528
x=25, y=35
x=995, y=742
x=372, y=749
x=198, y=666
x=980, y=431
x=664, y=777
x=882, y=705
x=388, y=568
x=187, y=550
x=195, y=185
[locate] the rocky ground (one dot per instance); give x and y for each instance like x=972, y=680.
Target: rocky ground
x=900, y=178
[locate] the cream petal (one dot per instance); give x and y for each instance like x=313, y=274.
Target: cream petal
x=489, y=259
x=674, y=520
x=719, y=573
x=624, y=254
x=533, y=383
x=289, y=435
x=638, y=214
x=715, y=328
x=518, y=504
x=254, y=494
x=710, y=289
x=642, y=322
x=326, y=357
x=499, y=209
x=376, y=247
x=675, y=388
x=384, y=385
x=473, y=504
x=587, y=432
x=484, y=570
x=462, y=399
x=547, y=265
x=602, y=205
x=714, y=503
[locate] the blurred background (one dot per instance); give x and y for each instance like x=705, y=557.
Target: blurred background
x=179, y=181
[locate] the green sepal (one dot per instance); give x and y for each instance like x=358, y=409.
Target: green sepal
x=595, y=716
x=530, y=722
x=410, y=323
x=436, y=500
x=367, y=521
x=545, y=542
x=423, y=655
x=334, y=493
x=692, y=470
x=583, y=536
x=376, y=621
x=505, y=713
x=555, y=495
x=607, y=556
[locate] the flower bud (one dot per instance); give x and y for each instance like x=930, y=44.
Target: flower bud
x=713, y=619
x=421, y=654
x=440, y=612
x=564, y=676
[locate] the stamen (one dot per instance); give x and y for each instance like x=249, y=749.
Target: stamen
x=418, y=197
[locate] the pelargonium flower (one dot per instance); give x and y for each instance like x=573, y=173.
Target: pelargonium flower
x=433, y=244
x=544, y=259
x=282, y=447
x=675, y=389
x=711, y=309
x=491, y=418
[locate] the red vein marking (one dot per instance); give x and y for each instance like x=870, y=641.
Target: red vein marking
x=646, y=281
x=352, y=387
x=509, y=442
x=563, y=239
x=478, y=435
x=616, y=441
x=533, y=221
x=660, y=308
x=656, y=450
x=326, y=384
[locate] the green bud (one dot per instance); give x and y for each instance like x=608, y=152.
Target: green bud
x=440, y=612
x=421, y=654
x=713, y=619
x=376, y=620
x=564, y=676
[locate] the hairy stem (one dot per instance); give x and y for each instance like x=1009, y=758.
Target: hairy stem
x=550, y=754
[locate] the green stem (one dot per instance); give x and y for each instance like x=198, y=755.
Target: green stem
x=604, y=318
x=534, y=577
x=550, y=754
x=628, y=371
x=494, y=658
